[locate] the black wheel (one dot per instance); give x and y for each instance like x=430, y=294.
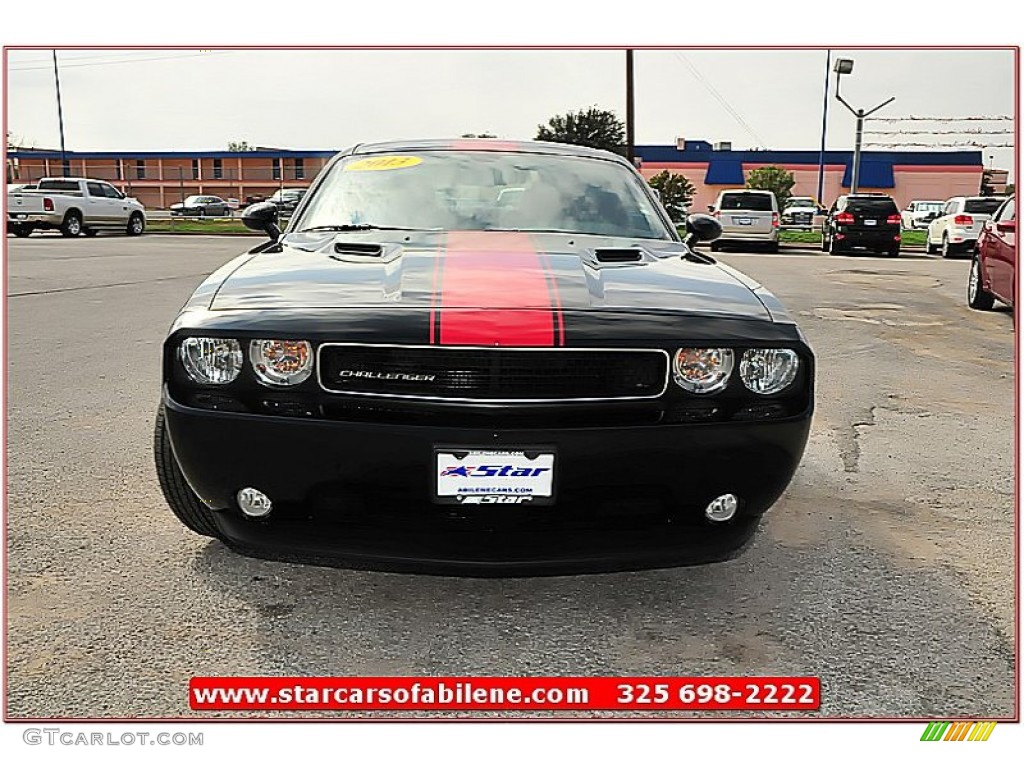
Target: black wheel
x=89, y=232
x=946, y=249
x=824, y=243
x=182, y=500
x=201, y=213
x=772, y=248
x=928, y=247
x=977, y=296
x=72, y=224
x=136, y=224
x=716, y=246
x=893, y=252
x=833, y=248
x=19, y=230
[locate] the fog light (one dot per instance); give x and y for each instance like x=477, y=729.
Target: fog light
x=722, y=509
x=253, y=503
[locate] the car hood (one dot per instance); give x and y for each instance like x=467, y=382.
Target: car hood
x=484, y=270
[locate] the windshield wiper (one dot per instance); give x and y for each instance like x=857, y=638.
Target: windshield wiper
x=356, y=228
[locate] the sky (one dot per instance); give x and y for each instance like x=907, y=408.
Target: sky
x=152, y=99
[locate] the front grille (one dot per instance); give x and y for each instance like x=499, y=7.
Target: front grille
x=492, y=374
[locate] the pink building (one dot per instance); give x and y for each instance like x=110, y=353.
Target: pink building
x=905, y=176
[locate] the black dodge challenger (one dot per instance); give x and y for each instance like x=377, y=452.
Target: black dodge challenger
x=481, y=357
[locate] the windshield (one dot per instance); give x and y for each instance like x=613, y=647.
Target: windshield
x=800, y=202
x=936, y=206
x=988, y=205
x=878, y=206
x=193, y=200
x=56, y=185
x=485, y=191
x=746, y=201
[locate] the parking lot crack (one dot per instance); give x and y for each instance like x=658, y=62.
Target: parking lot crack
x=17, y=294
x=849, y=441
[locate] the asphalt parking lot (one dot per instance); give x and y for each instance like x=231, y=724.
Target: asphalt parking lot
x=886, y=569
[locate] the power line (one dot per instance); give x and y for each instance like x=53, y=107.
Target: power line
x=100, y=63
x=720, y=99
x=943, y=119
x=982, y=145
x=964, y=132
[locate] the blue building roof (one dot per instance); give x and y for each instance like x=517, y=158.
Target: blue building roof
x=701, y=152
x=26, y=154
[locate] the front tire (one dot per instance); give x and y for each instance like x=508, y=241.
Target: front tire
x=136, y=225
x=72, y=224
x=182, y=500
x=977, y=296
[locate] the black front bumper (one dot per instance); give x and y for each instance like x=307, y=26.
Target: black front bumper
x=360, y=494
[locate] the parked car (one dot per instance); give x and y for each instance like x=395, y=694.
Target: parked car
x=747, y=216
x=74, y=206
x=870, y=221
x=919, y=213
x=233, y=203
x=201, y=205
x=253, y=199
x=994, y=267
x=287, y=200
x=955, y=231
x=800, y=212
x=555, y=381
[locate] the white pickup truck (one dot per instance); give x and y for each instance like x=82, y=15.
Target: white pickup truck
x=74, y=206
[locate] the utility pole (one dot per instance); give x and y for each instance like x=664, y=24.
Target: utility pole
x=60, y=113
x=630, y=135
x=845, y=67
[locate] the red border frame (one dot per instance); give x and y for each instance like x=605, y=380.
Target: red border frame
x=636, y=719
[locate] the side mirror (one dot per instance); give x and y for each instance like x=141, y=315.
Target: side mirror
x=711, y=208
x=1010, y=225
x=263, y=218
x=701, y=228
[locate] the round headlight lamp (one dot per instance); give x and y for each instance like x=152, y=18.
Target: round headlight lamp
x=281, y=363
x=702, y=370
x=211, y=361
x=768, y=371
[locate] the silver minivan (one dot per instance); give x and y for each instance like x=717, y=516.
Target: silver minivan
x=747, y=216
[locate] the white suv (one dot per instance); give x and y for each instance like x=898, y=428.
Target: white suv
x=957, y=228
x=747, y=216
x=919, y=213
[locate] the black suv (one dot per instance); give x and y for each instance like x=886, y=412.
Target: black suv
x=870, y=221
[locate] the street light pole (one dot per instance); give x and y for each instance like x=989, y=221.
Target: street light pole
x=845, y=67
x=824, y=128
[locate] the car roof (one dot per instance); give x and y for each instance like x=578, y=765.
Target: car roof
x=485, y=145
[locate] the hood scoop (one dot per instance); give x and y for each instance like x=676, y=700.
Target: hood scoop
x=376, y=253
x=603, y=257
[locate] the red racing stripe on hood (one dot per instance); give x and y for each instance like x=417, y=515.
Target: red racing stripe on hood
x=494, y=289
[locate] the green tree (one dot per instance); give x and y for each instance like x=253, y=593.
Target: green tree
x=592, y=127
x=774, y=179
x=240, y=146
x=676, y=193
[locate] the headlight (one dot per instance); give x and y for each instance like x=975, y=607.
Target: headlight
x=702, y=370
x=211, y=361
x=768, y=371
x=281, y=363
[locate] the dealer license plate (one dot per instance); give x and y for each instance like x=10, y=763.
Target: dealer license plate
x=477, y=476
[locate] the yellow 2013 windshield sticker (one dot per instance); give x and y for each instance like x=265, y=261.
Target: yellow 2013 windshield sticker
x=385, y=163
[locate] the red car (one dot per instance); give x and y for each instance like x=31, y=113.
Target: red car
x=994, y=268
